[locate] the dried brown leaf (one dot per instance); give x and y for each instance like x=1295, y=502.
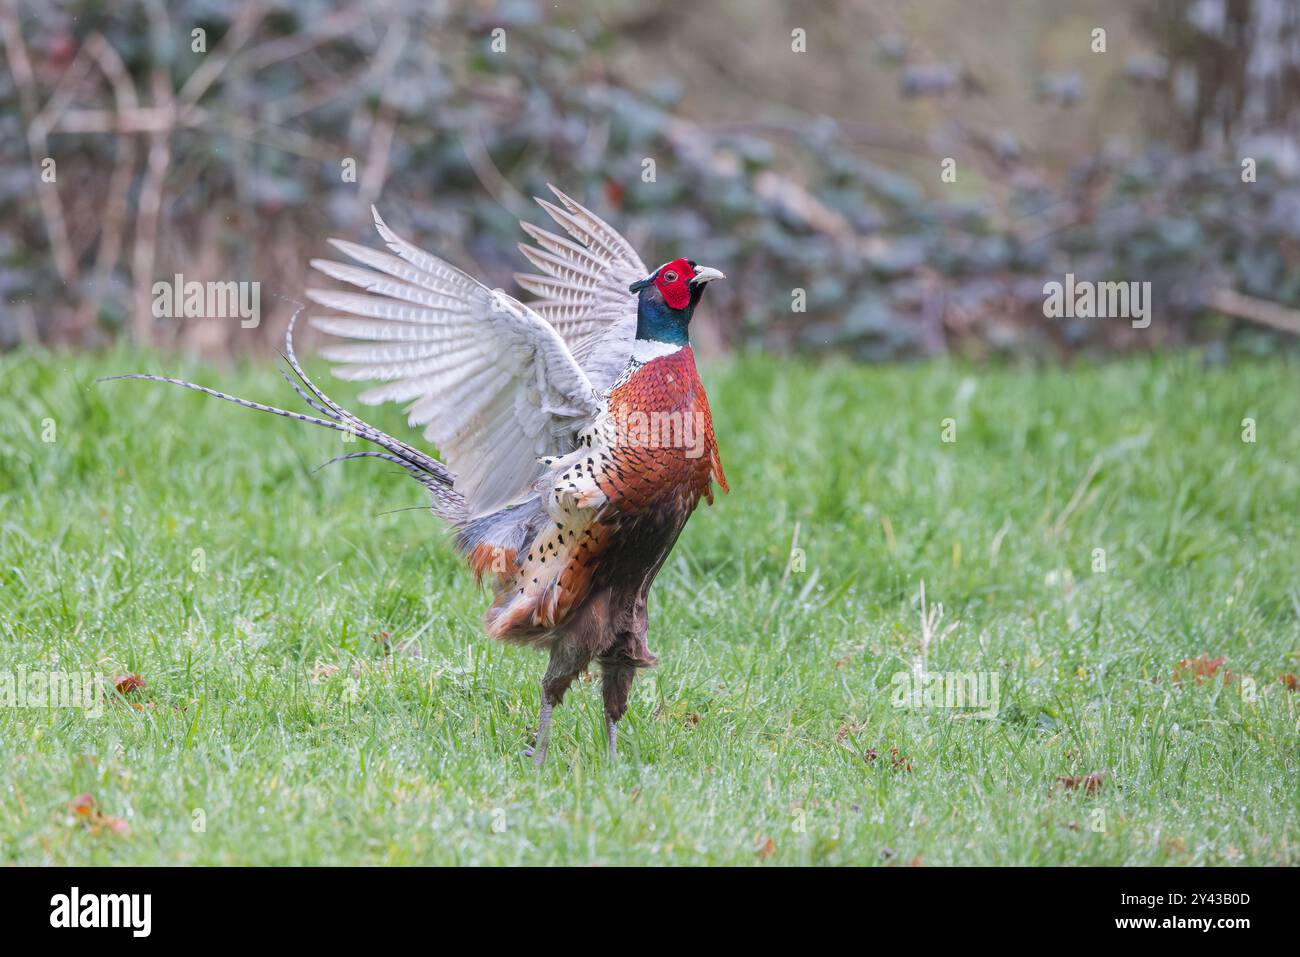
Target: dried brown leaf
x=322, y=669
x=83, y=805
x=85, y=810
x=1201, y=668
x=127, y=684
x=1088, y=783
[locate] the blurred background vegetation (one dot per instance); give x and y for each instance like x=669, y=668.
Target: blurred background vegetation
x=814, y=169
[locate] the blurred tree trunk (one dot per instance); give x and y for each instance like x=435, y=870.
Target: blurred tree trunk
x=1234, y=75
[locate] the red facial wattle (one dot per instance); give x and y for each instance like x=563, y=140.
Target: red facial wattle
x=672, y=282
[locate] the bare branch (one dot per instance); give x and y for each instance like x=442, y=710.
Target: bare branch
x=215, y=63
x=150, y=207
x=381, y=133
x=337, y=25
x=119, y=186
x=1260, y=311
x=47, y=194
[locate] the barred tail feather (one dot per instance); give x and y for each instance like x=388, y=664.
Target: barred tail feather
x=428, y=471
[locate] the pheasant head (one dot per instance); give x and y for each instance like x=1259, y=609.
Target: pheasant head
x=666, y=300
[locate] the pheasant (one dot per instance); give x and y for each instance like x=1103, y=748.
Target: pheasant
x=575, y=434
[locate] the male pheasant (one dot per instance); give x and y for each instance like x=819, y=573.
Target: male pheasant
x=575, y=433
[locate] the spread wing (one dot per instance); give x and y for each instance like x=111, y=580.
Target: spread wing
x=492, y=381
x=584, y=291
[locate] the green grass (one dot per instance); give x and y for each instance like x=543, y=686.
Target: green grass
x=772, y=687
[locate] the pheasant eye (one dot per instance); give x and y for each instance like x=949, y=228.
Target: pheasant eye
x=670, y=276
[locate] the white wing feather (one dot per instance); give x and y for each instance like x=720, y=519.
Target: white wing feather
x=492, y=382
x=584, y=292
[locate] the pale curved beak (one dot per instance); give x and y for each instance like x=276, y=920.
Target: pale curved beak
x=705, y=274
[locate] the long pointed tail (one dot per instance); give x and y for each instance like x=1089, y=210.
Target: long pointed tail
x=425, y=469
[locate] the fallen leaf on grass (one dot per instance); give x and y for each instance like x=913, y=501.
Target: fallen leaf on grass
x=126, y=684
x=1202, y=668
x=82, y=805
x=849, y=728
x=323, y=670
x=84, y=809
x=1088, y=783
x=897, y=760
